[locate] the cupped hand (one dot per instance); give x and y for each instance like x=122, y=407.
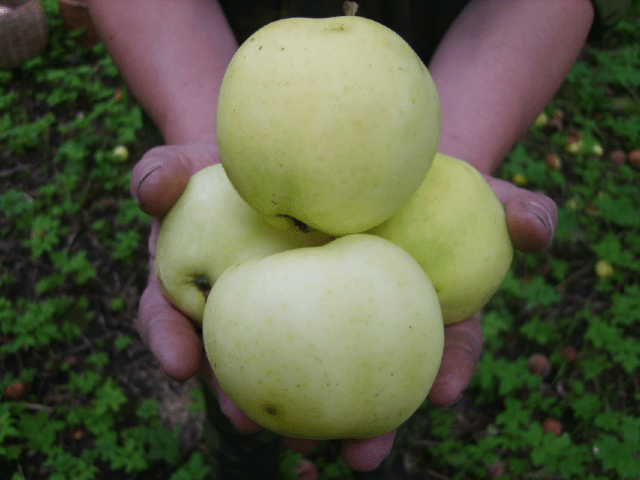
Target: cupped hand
x=156, y=183
x=531, y=222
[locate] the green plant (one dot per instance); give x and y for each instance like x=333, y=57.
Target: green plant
x=74, y=262
x=562, y=304
x=70, y=234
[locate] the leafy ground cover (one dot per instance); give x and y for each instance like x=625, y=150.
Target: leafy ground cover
x=556, y=393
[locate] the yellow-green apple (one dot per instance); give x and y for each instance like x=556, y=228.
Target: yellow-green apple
x=455, y=227
x=208, y=230
x=330, y=123
x=338, y=341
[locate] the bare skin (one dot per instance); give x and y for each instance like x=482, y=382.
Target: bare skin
x=496, y=69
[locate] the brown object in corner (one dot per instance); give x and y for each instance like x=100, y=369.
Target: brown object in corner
x=23, y=31
x=75, y=15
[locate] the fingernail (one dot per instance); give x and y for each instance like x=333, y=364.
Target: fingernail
x=142, y=180
x=543, y=215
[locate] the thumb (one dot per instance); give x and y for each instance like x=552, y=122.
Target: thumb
x=364, y=455
x=162, y=174
x=531, y=217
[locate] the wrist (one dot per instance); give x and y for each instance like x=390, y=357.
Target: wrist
x=181, y=131
x=484, y=161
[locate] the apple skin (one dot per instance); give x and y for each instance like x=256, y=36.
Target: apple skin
x=455, y=227
x=338, y=341
x=208, y=230
x=333, y=122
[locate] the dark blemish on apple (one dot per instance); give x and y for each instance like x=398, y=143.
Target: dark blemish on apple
x=271, y=411
x=203, y=284
x=303, y=227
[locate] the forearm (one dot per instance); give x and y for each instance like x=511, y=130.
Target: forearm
x=499, y=65
x=173, y=56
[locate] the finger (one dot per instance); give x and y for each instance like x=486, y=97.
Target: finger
x=364, y=455
x=170, y=336
x=531, y=217
x=306, y=470
x=462, y=348
x=238, y=419
x=161, y=175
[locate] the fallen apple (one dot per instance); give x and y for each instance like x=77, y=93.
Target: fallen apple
x=455, y=227
x=209, y=229
x=338, y=341
x=327, y=123
x=122, y=152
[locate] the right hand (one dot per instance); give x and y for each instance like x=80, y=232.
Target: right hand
x=157, y=181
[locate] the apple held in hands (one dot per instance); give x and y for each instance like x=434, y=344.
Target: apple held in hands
x=330, y=123
x=455, y=227
x=209, y=229
x=338, y=341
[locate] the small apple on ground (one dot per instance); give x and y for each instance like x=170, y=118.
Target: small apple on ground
x=16, y=391
x=338, y=341
x=603, y=269
x=496, y=470
x=597, y=150
x=208, y=230
x=122, y=152
x=634, y=158
x=574, y=145
x=551, y=425
x=553, y=161
x=329, y=123
x=539, y=364
x=455, y=227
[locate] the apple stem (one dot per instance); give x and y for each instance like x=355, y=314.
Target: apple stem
x=350, y=8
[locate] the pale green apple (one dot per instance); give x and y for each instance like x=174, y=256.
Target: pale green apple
x=209, y=229
x=455, y=227
x=332, y=122
x=338, y=341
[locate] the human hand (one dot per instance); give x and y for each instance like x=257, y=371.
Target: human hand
x=157, y=181
x=531, y=220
